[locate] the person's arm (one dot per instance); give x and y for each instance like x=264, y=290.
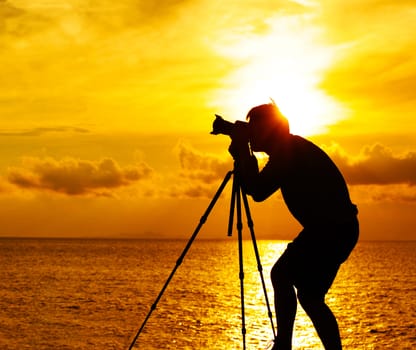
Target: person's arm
x=245, y=165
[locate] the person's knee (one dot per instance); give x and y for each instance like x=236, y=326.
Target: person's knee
x=310, y=302
x=279, y=274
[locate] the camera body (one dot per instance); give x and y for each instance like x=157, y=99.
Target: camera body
x=239, y=129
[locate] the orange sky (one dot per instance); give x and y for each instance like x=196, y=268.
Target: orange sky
x=106, y=109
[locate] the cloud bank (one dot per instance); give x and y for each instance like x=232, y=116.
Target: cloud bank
x=391, y=176
x=200, y=174
x=76, y=177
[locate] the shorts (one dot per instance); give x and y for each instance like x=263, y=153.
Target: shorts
x=311, y=262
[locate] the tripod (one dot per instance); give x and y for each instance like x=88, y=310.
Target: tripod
x=237, y=194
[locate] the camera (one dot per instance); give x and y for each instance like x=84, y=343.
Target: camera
x=224, y=127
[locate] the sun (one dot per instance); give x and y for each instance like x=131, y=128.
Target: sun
x=285, y=65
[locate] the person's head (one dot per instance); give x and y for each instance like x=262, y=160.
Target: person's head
x=267, y=126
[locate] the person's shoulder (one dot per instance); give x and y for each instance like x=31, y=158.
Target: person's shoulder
x=300, y=141
x=305, y=146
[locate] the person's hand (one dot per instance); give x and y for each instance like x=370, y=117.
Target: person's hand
x=239, y=148
x=240, y=140
x=234, y=150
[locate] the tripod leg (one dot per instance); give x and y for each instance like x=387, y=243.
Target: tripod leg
x=179, y=261
x=232, y=206
x=240, y=255
x=256, y=251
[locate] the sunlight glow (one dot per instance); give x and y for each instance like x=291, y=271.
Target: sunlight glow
x=284, y=64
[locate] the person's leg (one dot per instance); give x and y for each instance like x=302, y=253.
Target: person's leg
x=318, y=278
x=323, y=320
x=285, y=303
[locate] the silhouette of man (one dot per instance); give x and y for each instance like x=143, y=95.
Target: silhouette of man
x=316, y=194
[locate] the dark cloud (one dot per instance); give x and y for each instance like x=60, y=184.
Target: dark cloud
x=76, y=177
x=377, y=165
x=44, y=130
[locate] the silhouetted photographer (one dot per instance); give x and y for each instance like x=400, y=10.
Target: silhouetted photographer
x=316, y=194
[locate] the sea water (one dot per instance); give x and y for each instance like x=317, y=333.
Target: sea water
x=95, y=294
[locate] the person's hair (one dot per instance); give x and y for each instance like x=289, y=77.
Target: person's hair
x=270, y=116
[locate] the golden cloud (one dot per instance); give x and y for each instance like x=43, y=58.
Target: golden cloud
x=197, y=165
x=199, y=172
x=75, y=177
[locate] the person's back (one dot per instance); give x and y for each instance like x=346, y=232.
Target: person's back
x=313, y=188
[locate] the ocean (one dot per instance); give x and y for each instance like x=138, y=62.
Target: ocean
x=95, y=294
